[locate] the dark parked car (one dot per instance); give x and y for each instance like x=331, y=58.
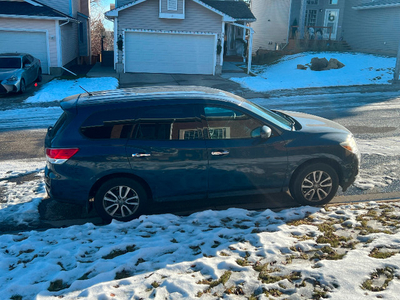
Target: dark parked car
x=17, y=71
x=125, y=148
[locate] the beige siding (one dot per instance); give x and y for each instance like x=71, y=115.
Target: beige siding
x=272, y=23
x=165, y=10
x=69, y=42
x=372, y=30
x=44, y=25
x=61, y=5
x=145, y=16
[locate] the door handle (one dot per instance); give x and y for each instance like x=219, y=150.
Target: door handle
x=220, y=153
x=141, y=154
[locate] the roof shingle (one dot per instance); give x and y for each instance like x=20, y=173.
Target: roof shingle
x=235, y=9
x=26, y=9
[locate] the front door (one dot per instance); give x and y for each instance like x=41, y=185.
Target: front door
x=331, y=21
x=239, y=159
x=167, y=150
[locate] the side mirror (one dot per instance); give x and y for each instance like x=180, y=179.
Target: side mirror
x=265, y=132
x=27, y=66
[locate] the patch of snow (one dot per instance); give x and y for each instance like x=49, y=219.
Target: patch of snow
x=360, y=69
x=58, y=89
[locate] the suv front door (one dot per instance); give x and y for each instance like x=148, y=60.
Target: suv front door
x=167, y=150
x=239, y=158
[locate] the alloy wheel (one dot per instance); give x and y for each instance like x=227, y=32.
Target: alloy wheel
x=120, y=201
x=316, y=186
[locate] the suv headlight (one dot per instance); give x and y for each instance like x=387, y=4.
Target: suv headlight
x=350, y=145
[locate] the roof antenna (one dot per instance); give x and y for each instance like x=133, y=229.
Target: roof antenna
x=89, y=93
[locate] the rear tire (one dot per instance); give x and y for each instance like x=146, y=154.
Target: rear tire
x=315, y=184
x=122, y=199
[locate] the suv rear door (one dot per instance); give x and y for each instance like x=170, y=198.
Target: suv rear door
x=167, y=150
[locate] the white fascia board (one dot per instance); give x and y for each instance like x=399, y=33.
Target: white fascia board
x=114, y=13
x=34, y=17
x=376, y=6
x=225, y=17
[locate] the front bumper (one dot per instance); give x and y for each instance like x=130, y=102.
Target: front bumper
x=350, y=171
x=8, y=87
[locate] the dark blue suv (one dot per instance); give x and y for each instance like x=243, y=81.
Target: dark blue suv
x=125, y=148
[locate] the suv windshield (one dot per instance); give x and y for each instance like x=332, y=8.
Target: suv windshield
x=10, y=62
x=268, y=115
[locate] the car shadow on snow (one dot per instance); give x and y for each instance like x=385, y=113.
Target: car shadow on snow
x=58, y=214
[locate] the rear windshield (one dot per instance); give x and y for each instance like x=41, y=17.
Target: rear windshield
x=60, y=122
x=10, y=62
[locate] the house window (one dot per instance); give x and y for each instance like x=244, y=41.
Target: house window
x=81, y=32
x=311, y=17
x=314, y=2
x=333, y=2
x=172, y=4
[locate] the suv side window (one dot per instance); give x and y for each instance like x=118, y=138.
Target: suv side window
x=109, y=124
x=168, y=122
x=226, y=123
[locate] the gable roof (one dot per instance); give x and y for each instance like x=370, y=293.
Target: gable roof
x=235, y=9
x=30, y=9
x=224, y=10
x=378, y=4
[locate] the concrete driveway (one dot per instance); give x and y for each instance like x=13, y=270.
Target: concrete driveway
x=127, y=80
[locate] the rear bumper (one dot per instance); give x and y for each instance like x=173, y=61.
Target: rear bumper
x=65, y=190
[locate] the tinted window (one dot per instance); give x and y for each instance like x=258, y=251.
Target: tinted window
x=10, y=63
x=168, y=122
x=110, y=124
x=224, y=123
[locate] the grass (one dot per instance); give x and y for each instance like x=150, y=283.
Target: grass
x=376, y=253
x=119, y=252
x=122, y=274
x=369, y=283
x=57, y=285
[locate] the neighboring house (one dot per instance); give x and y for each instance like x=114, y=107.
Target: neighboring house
x=178, y=36
x=271, y=30
x=365, y=25
x=55, y=31
x=372, y=26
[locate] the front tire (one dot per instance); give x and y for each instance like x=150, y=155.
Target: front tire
x=22, y=86
x=39, y=77
x=122, y=199
x=315, y=184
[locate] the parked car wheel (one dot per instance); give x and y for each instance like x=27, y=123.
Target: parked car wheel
x=39, y=77
x=22, y=86
x=122, y=199
x=315, y=184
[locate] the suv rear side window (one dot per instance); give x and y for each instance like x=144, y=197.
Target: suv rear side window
x=109, y=124
x=168, y=122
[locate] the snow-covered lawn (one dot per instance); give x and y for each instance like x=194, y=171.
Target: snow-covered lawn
x=360, y=69
x=58, y=89
x=297, y=253
x=344, y=252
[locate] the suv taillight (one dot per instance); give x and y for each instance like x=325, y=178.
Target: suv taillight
x=59, y=156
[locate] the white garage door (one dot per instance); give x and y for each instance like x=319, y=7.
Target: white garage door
x=33, y=43
x=169, y=53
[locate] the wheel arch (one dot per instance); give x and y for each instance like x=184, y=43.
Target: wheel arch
x=106, y=178
x=330, y=162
